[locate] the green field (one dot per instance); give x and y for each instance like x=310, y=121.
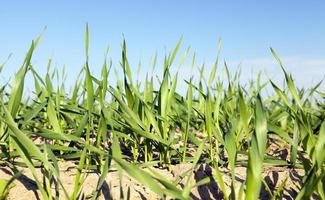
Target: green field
x=132, y=128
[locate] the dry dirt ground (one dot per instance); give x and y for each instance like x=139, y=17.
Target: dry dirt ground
x=25, y=187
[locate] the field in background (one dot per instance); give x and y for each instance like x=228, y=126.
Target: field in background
x=219, y=140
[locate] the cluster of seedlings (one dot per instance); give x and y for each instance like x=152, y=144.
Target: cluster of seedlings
x=220, y=140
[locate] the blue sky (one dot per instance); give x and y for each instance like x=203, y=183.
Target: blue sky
x=295, y=29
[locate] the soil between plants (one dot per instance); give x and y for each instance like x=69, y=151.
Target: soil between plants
x=25, y=187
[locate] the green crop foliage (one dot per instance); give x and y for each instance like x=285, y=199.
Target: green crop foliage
x=137, y=123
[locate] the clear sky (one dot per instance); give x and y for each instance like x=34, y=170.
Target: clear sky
x=295, y=29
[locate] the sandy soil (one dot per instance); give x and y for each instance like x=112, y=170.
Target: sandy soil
x=25, y=187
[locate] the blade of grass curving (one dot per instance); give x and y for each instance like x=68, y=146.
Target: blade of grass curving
x=79, y=178
x=53, y=119
x=189, y=110
x=289, y=81
x=294, y=144
x=101, y=180
x=256, y=152
x=140, y=175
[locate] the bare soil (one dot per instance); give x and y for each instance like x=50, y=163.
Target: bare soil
x=25, y=187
